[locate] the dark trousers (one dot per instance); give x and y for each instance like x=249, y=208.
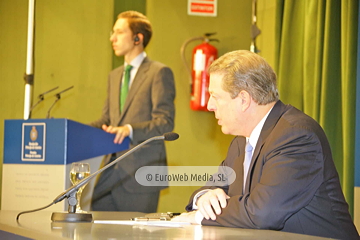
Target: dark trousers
x=128, y=202
x=104, y=198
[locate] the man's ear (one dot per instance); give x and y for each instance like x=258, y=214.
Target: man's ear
x=245, y=99
x=138, y=39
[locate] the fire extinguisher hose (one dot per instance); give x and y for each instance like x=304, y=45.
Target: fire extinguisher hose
x=182, y=53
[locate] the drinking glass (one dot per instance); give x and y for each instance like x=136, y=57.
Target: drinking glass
x=78, y=172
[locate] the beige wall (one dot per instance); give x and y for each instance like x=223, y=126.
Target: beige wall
x=72, y=48
x=266, y=23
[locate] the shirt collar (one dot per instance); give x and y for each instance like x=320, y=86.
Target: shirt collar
x=136, y=62
x=254, y=136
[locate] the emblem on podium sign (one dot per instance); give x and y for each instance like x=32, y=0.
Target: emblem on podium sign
x=33, y=142
x=33, y=134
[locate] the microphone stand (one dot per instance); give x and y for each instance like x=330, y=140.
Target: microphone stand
x=41, y=98
x=70, y=193
x=57, y=99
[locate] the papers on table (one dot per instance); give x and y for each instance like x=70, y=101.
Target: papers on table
x=159, y=223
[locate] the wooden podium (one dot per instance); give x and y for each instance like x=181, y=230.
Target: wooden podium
x=37, y=158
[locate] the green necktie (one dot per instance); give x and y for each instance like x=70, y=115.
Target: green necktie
x=125, y=87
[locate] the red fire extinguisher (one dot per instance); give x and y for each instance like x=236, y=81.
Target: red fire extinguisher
x=202, y=57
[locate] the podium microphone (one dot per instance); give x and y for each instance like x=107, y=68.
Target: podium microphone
x=41, y=98
x=57, y=99
x=70, y=193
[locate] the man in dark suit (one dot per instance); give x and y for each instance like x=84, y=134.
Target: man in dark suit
x=144, y=110
x=285, y=175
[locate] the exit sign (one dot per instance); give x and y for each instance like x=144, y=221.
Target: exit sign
x=202, y=8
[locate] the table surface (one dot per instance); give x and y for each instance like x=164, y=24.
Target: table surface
x=38, y=225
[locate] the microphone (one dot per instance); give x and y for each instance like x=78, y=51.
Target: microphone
x=57, y=99
x=70, y=193
x=41, y=98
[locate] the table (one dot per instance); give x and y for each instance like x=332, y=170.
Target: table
x=38, y=225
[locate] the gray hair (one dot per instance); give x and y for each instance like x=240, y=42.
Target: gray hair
x=245, y=70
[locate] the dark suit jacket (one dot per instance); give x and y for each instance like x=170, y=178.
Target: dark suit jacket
x=292, y=184
x=149, y=109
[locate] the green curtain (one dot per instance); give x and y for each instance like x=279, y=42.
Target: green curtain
x=315, y=59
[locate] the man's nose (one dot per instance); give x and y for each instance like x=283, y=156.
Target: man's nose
x=112, y=38
x=210, y=105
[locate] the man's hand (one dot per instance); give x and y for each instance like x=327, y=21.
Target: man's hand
x=185, y=217
x=211, y=203
x=121, y=132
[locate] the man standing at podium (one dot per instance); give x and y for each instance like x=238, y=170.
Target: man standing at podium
x=285, y=174
x=139, y=105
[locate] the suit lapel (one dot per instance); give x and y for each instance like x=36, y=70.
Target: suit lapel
x=117, y=77
x=137, y=82
x=273, y=118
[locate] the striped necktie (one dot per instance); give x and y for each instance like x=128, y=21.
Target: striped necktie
x=247, y=161
x=125, y=87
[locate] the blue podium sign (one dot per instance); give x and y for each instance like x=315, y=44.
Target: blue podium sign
x=55, y=141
